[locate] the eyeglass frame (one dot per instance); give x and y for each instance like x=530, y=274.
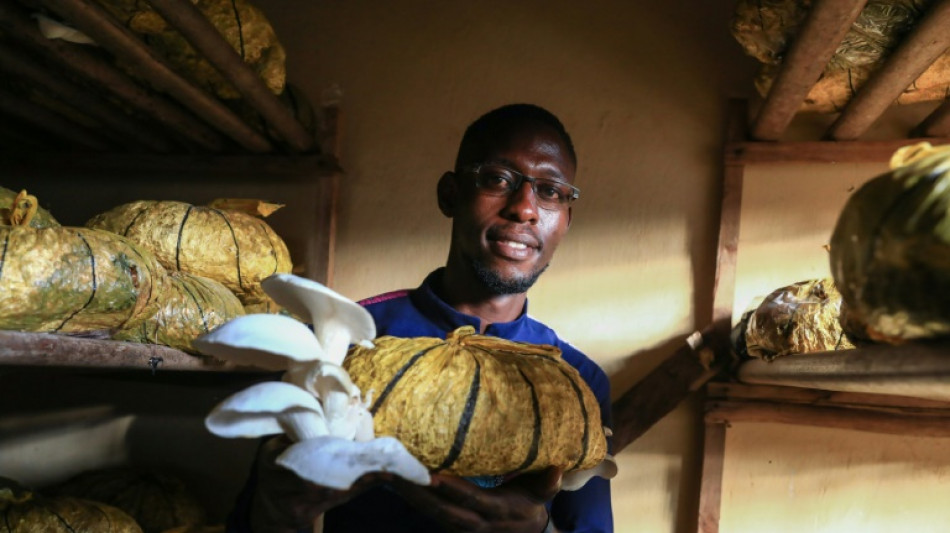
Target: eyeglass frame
x=520, y=178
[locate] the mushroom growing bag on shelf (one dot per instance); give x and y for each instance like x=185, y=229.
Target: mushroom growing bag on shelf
x=74, y=280
x=24, y=511
x=766, y=28
x=188, y=306
x=475, y=405
x=800, y=318
x=234, y=248
x=158, y=501
x=890, y=250
x=241, y=24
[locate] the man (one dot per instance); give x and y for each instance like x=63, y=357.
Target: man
x=509, y=199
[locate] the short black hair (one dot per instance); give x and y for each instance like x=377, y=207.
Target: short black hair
x=479, y=133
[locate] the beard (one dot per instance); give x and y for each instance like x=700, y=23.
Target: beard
x=500, y=286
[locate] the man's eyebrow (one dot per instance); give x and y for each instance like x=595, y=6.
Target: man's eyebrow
x=500, y=161
x=549, y=173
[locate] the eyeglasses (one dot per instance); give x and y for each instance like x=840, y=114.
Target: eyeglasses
x=498, y=180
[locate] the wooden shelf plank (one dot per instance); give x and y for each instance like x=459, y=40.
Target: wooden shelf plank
x=873, y=421
x=710, y=497
x=209, y=168
x=917, y=370
x=48, y=350
x=807, y=396
x=659, y=392
x=745, y=153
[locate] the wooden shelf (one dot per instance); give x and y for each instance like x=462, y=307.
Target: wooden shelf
x=884, y=389
x=879, y=410
x=153, y=136
x=48, y=350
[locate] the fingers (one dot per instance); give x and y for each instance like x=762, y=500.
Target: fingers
x=541, y=486
x=460, y=505
x=284, y=499
x=452, y=508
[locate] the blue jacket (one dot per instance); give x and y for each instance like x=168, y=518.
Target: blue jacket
x=421, y=313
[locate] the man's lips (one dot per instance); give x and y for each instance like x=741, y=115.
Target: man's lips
x=513, y=245
x=510, y=250
x=519, y=236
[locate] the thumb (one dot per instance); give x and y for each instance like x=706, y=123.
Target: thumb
x=542, y=485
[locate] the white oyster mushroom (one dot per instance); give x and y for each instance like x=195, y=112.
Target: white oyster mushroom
x=317, y=404
x=364, y=422
x=336, y=463
x=337, y=393
x=337, y=321
x=575, y=479
x=271, y=342
x=268, y=408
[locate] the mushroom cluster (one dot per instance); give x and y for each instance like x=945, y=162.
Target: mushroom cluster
x=316, y=404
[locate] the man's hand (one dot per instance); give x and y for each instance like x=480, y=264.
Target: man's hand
x=284, y=503
x=461, y=506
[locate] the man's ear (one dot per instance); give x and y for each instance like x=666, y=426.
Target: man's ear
x=570, y=215
x=447, y=193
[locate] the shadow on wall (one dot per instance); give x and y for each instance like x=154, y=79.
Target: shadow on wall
x=213, y=468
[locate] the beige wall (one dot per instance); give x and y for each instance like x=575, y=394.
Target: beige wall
x=788, y=479
x=640, y=85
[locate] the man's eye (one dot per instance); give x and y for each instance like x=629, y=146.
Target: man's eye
x=496, y=181
x=550, y=192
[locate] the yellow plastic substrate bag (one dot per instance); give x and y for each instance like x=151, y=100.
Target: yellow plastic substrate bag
x=74, y=280
x=231, y=247
x=189, y=306
x=476, y=405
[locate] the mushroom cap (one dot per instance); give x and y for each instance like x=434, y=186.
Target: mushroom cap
x=264, y=409
x=324, y=306
x=337, y=463
x=53, y=29
x=263, y=340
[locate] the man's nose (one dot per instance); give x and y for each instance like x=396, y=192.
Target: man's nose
x=522, y=204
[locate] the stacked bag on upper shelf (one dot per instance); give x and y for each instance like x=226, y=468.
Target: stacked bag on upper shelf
x=159, y=272
x=765, y=30
x=890, y=265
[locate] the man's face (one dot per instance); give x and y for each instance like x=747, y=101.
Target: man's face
x=507, y=241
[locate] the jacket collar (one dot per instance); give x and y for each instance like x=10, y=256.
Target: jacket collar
x=447, y=317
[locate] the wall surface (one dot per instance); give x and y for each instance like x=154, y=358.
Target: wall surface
x=787, y=479
x=642, y=88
